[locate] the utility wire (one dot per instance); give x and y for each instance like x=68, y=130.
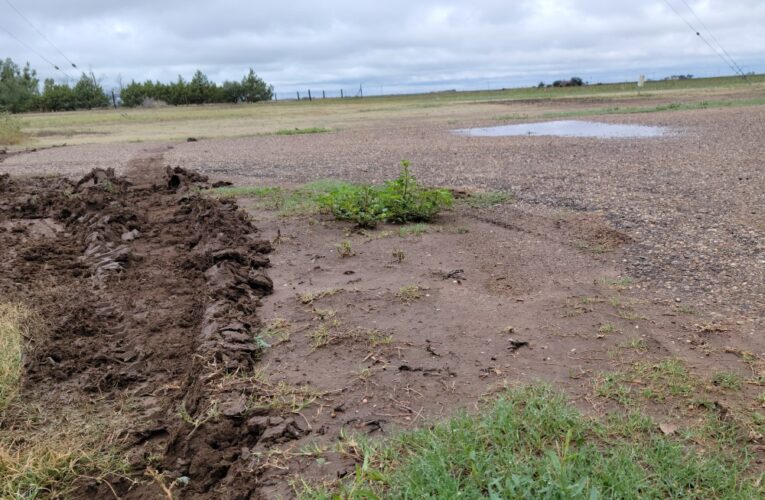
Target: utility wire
x=702, y=37
x=713, y=37
x=22, y=42
x=40, y=33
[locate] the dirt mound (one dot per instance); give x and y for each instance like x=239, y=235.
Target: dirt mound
x=150, y=293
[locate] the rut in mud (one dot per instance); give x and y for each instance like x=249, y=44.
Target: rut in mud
x=149, y=294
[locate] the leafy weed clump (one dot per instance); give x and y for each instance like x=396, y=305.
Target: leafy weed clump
x=401, y=200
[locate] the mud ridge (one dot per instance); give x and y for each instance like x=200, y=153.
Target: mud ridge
x=150, y=294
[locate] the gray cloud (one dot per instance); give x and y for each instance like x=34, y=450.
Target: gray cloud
x=399, y=45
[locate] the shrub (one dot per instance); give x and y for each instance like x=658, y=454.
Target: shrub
x=399, y=201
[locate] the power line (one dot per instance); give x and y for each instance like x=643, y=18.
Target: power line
x=702, y=37
x=40, y=33
x=713, y=37
x=22, y=42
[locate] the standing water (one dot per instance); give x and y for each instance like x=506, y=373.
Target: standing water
x=568, y=128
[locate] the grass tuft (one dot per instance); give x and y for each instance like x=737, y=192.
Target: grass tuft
x=301, y=131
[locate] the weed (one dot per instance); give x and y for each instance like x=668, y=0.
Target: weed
x=619, y=283
x=606, y=328
x=398, y=255
x=301, y=131
x=683, y=309
x=630, y=315
x=728, y=380
x=376, y=338
x=324, y=314
x=412, y=230
x=636, y=343
x=321, y=336
x=409, y=293
x=310, y=297
x=344, y=249
x=278, y=328
x=210, y=414
x=488, y=199
x=400, y=200
x=282, y=396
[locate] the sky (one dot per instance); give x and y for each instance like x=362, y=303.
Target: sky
x=388, y=46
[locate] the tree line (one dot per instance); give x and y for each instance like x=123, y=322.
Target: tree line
x=20, y=91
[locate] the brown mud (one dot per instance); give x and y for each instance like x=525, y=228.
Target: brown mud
x=150, y=294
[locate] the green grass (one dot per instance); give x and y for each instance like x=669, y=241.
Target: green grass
x=488, y=199
x=412, y=230
x=301, y=131
x=532, y=444
x=298, y=201
x=728, y=380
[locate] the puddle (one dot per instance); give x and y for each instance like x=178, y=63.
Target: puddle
x=568, y=128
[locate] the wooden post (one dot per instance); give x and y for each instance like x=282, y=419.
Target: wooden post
x=309, y=95
x=114, y=100
x=341, y=94
x=323, y=95
x=361, y=91
x=298, y=95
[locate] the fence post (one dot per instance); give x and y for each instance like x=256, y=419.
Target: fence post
x=323, y=95
x=341, y=94
x=298, y=95
x=114, y=100
x=309, y=95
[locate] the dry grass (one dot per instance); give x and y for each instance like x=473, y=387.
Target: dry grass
x=10, y=130
x=15, y=321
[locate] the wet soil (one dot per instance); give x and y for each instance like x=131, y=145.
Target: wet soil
x=150, y=296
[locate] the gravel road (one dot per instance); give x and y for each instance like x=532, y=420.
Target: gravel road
x=694, y=201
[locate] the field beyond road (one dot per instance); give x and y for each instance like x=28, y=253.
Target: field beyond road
x=222, y=334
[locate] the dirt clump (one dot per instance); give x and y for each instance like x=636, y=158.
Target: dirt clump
x=150, y=294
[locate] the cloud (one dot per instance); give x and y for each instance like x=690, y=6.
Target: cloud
x=401, y=45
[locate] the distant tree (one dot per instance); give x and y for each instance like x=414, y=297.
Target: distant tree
x=200, y=89
x=541, y=85
x=255, y=89
x=231, y=92
x=575, y=82
x=19, y=87
x=89, y=94
x=57, y=97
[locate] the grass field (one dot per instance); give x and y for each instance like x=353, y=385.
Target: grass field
x=284, y=117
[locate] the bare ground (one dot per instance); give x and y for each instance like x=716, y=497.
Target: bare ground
x=513, y=293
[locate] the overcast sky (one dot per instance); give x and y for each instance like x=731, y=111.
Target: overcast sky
x=388, y=45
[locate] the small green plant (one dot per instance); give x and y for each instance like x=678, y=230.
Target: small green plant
x=399, y=201
x=606, y=328
x=728, y=380
x=278, y=328
x=344, y=249
x=310, y=297
x=409, y=293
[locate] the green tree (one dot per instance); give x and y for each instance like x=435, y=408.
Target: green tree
x=255, y=89
x=88, y=93
x=19, y=87
x=57, y=97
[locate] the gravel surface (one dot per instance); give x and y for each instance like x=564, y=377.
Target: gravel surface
x=694, y=202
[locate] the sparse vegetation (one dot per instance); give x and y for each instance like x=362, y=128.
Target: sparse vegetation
x=301, y=131
x=412, y=230
x=10, y=130
x=531, y=444
x=398, y=255
x=728, y=380
x=409, y=293
x=488, y=199
x=310, y=297
x=278, y=328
